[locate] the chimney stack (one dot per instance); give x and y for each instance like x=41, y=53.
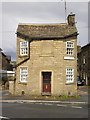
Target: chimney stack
x=71, y=19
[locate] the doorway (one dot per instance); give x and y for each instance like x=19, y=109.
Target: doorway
x=46, y=82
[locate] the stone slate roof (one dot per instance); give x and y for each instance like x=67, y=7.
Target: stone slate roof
x=46, y=30
x=87, y=45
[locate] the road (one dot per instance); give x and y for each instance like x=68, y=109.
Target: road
x=44, y=109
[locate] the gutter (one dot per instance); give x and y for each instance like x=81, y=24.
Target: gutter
x=45, y=38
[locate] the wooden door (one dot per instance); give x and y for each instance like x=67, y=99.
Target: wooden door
x=46, y=76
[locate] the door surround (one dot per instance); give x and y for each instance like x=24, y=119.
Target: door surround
x=41, y=82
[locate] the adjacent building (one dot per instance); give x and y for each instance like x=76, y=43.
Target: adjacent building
x=46, y=59
x=78, y=61
x=5, y=67
x=5, y=61
x=84, y=63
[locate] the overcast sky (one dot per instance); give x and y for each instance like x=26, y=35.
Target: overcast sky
x=14, y=13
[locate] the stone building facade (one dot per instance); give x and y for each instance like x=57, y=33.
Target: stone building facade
x=78, y=64
x=4, y=67
x=5, y=61
x=84, y=63
x=46, y=59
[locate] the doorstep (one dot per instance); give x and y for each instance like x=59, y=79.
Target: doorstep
x=46, y=93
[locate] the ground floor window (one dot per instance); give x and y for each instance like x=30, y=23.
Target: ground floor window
x=23, y=74
x=69, y=75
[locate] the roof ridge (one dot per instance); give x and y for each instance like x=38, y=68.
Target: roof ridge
x=43, y=24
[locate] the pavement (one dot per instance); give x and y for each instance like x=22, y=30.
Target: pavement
x=82, y=92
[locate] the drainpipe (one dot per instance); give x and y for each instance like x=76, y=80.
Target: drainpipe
x=24, y=59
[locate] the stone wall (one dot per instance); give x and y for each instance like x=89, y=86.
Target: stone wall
x=4, y=62
x=84, y=63
x=47, y=55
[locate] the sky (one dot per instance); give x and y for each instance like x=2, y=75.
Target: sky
x=13, y=13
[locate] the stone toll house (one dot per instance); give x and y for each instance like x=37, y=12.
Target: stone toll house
x=46, y=59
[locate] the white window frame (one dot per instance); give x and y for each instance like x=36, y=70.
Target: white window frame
x=25, y=75
x=84, y=60
x=69, y=75
x=69, y=48
x=84, y=75
x=23, y=48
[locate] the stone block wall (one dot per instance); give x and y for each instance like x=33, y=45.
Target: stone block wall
x=47, y=56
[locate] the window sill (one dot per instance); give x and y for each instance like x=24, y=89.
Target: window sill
x=69, y=58
x=23, y=56
x=69, y=83
x=24, y=83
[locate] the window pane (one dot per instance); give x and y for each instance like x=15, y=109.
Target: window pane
x=69, y=75
x=23, y=74
x=24, y=48
x=70, y=48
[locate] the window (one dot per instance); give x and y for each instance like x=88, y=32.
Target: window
x=23, y=74
x=84, y=60
x=84, y=75
x=69, y=75
x=24, y=48
x=70, y=48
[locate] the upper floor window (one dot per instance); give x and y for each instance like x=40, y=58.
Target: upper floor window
x=69, y=75
x=70, y=48
x=84, y=60
x=23, y=48
x=23, y=74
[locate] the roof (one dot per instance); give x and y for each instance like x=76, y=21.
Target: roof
x=6, y=56
x=87, y=45
x=56, y=30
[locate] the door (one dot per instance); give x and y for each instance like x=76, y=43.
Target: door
x=46, y=78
